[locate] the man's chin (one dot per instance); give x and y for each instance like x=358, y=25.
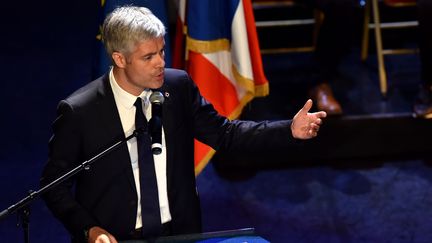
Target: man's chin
x=157, y=84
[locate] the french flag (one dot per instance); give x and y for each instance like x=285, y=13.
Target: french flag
x=223, y=58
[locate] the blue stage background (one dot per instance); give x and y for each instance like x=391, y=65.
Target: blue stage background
x=47, y=52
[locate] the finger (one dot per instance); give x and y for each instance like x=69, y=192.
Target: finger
x=314, y=127
x=320, y=114
x=307, y=106
x=112, y=239
x=312, y=133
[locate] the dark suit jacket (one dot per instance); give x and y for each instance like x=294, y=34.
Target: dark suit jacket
x=105, y=195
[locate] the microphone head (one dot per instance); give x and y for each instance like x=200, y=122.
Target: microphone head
x=157, y=97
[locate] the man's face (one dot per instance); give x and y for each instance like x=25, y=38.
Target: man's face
x=144, y=67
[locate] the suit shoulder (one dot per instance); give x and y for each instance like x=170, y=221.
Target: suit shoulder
x=85, y=95
x=173, y=72
x=178, y=79
x=176, y=76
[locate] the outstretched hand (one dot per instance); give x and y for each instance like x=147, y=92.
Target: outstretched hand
x=305, y=125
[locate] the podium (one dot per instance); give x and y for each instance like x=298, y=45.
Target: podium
x=229, y=236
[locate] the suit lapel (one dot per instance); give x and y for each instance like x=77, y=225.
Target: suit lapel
x=110, y=119
x=167, y=123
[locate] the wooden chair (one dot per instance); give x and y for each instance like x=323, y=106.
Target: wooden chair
x=378, y=26
x=288, y=22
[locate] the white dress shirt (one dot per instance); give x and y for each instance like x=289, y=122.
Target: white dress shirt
x=125, y=106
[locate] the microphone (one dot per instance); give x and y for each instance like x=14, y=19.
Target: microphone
x=155, y=124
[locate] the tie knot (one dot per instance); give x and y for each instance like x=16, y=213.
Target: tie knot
x=138, y=103
x=140, y=120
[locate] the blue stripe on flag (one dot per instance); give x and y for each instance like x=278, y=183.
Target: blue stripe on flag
x=209, y=19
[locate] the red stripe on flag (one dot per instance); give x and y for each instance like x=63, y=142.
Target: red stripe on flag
x=201, y=156
x=217, y=88
x=213, y=85
x=179, y=46
x=254, y=49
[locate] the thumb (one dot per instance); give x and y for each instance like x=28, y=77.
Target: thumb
x=307, y=106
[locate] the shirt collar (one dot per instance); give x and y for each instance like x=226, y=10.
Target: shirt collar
x=123, y=97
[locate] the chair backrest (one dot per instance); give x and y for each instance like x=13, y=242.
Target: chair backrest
x=278, y=17
x=272, y=3
x=400, y=3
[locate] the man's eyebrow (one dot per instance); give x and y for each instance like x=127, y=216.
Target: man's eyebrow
x=154, y=53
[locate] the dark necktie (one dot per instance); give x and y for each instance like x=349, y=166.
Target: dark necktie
x=150, y=212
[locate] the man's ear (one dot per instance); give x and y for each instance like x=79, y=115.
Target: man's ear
x=119, y=59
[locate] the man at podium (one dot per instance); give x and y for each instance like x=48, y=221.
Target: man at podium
x=132, y=193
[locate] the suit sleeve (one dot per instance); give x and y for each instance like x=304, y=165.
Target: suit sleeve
x=64, y=155
x=236, y=135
